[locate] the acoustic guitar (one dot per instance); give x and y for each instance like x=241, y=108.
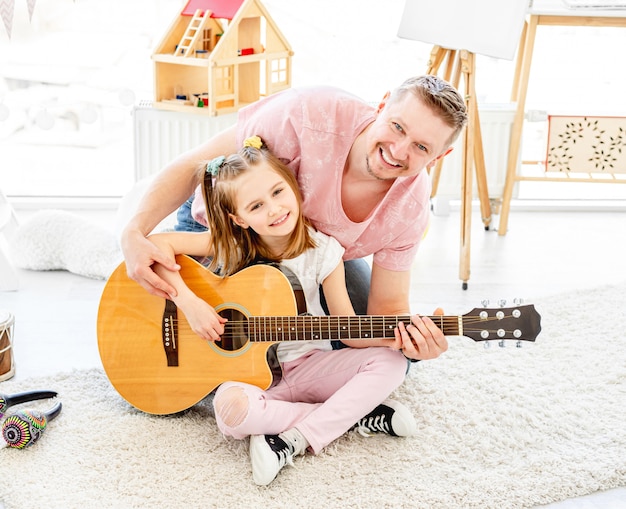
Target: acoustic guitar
x=160, y=366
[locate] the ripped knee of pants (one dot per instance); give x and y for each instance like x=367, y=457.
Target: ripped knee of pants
x=232, y=406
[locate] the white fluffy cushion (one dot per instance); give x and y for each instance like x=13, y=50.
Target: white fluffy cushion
x=59, y=240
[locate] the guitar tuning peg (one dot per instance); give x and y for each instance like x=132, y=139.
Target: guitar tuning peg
x=485, y=302
x=501, y=344
x=518, y=344
x=502, y=303
x=487, y=345
x=518, y=301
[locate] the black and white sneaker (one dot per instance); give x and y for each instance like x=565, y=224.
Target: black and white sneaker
x=389, y=417
x=269, y=454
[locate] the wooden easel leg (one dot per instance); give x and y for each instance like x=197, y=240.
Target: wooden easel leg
x=481, y=171
x=467, y=66
x=450, y=63
x=519, y=93
x=518, y=63
x=463, y=63
x=466, y=63
x=472, y=155
x=438, y=56
x=435, y=174
x=451, y=66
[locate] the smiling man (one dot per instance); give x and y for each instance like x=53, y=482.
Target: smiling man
x=361, y=172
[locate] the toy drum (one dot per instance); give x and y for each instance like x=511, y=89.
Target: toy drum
x=7, y=366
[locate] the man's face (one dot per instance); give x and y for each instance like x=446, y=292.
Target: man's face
x=405, y=138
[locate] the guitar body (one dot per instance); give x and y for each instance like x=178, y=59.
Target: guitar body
x=132, y=335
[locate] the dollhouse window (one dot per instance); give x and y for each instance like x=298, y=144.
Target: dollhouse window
x=278, y=72
x=224, y=80
x=205, y=43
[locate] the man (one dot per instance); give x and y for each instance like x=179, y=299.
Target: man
x=361, y=173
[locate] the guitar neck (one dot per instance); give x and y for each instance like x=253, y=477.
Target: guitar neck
x=312, y=328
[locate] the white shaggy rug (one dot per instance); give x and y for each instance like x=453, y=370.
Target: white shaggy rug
x=498, y=428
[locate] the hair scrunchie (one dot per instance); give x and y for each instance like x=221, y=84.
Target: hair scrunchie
x=213, y=166
x=253, y=141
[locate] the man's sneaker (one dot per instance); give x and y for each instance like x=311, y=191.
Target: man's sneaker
x=270, y=453
x=389, y=417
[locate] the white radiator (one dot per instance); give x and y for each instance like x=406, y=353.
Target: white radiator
x=496, y=122
x=161, y=135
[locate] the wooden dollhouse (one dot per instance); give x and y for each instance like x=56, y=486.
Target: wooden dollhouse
x=218, y=56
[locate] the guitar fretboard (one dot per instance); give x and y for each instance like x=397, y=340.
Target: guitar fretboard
x=311, y=328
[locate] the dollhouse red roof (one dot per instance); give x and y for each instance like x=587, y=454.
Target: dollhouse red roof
x=225, y=9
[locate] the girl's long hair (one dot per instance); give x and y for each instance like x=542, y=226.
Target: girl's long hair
x=235, y=248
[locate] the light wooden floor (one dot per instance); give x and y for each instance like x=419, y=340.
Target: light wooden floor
x=544, y=254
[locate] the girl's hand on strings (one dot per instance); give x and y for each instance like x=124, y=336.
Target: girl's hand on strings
x=204, y=320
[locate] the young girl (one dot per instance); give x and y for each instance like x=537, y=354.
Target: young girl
x=254, y=213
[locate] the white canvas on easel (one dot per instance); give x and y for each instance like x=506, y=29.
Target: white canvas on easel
x=485, y=27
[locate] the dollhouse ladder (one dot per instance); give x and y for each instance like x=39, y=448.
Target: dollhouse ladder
x=192, y=34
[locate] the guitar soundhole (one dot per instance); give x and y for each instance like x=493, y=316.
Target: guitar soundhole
x=235, y=331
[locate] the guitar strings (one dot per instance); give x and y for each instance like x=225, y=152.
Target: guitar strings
x=305, y=325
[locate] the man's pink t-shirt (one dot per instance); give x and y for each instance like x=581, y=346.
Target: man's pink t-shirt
x=312, y=131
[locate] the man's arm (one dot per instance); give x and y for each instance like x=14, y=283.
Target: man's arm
x=168, y=191
x=389, y=292
x=389, y=295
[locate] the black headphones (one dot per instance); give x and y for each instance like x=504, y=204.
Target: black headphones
x=25, y=427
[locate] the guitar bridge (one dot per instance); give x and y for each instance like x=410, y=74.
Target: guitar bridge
x=169, y=332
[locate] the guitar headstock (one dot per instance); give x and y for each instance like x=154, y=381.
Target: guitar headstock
x=519, y=323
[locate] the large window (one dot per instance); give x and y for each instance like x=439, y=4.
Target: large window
x=71, y=77
x=69, y=80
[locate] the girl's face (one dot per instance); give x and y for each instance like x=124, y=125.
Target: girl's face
x=266, y=203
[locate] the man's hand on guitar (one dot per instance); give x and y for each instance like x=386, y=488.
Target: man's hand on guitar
x=140, y=255
x=421, y=339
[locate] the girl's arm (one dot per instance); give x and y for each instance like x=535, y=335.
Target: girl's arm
x=202, y=318
x=338, y=302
